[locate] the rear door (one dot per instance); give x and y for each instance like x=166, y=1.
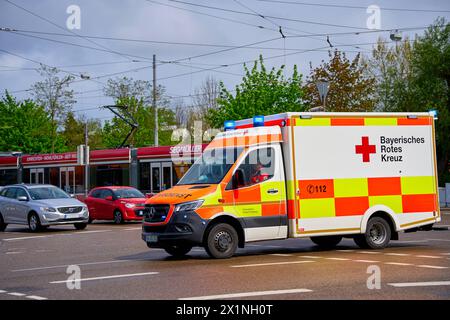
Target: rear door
x=6, y=207
x=259, y=197
x=105, y=208
x=21, y=207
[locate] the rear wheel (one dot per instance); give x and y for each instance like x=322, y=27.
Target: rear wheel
x=3, y=225
x=118, y=217
x=222, y=241
x=377, y=235
x=326, y=241
x=80, y=226
x=178, y=250
x=34, y=223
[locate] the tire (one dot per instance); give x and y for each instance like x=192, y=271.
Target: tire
x=118, y=217
x=221, y=241
x=80, y=226
x=90, y=220
x=34, y=223
x=3, y=225
x=178, y=250
x=377, y=235
x=326, y=241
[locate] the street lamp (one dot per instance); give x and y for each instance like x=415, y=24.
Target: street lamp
x=322, y=87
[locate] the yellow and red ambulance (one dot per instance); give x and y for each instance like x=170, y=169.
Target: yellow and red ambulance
x=326, y=176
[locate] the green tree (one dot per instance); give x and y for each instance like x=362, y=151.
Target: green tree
x=25, y=126
x=74, y=132
x=261, y=92
x=350, y=89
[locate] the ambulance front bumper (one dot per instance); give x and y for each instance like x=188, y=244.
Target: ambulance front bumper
x=184, y=227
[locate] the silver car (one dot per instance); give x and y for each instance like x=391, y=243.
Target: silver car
x=39, y=206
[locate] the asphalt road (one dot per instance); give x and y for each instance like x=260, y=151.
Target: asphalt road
x=116, y=264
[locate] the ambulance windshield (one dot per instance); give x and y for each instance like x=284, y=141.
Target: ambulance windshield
x=211, y=167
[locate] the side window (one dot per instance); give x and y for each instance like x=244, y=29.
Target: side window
x=105, y=193
x=95, y=194
x=3, y=192
x=21, y=193
x=258, y=166
x=11, y=193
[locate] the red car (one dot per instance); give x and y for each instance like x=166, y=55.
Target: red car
x=115, y=203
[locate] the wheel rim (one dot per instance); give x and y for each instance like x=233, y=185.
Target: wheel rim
x=378, y=233
x=33, y=222
x=118, y=217
x=223, y=241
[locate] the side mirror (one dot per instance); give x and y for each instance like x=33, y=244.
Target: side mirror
x=22, y=198
x=109, y=198
x=72, y=195
x=238, y=179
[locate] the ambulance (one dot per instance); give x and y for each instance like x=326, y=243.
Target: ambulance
x=325, y=176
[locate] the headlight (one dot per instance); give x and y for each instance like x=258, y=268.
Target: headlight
x=130, y=205
x=48, y=209
x=188, y=206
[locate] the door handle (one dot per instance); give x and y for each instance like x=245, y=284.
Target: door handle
x=272, y=191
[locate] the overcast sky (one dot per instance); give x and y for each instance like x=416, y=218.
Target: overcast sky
x=160, y=20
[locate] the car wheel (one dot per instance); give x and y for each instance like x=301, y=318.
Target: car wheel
x=118, y=217
x=80, y=226
x=326, y=241
x=178, y=250
x=34, y=223
x=377, y=235
x=3, y=225
x=222, y=241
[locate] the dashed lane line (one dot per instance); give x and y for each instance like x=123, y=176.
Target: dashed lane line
x=248, y=294
x=397, y=254
x=420, y=284
x=36, y=298
x=19, y=294
x=78, y=264
x=431, y=267
x=366, y=261
x=399, y=263
x=117, y=276
x=16, y=294
x=269, y=264
x=430, y=257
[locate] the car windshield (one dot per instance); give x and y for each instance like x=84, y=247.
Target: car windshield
x=128, y=193
x=211, y=167
x=47, y=193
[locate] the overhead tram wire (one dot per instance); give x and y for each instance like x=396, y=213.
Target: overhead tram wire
x=350, y=6
x=64, y=29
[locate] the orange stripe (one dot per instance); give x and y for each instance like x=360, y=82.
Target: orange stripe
x=353, y=206
x=291, y=209
x=314, y=189
x=384, y=186
x=419, y=203
x=207, y=213
x=347, y=122
x=414, y=122
x=271, y=209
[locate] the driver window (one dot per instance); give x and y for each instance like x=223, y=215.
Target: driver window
x=258, y=166
x=21, y=193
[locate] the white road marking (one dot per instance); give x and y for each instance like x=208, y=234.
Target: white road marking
x=338, y=259
x=369, y=252
x=109, y=277
x=438, y=240
x=399, y=263
x=397, y=254
x=14, y=252
x=36, y=298
x=446, y=254
x=131, y=229
x=310, y=257
x=432, y=267
x=412, y=241
x=282, y=254
x=347, y=250
x=55, y=235
x=78, y=264
x=26, y=238
x=366, y=261
x=268, y=264
x=248, y=294
x=420, y=284
x=3, y=291
x=431, y=257
x=16, y=294
x=92, y=231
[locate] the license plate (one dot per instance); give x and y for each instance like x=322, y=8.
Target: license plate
x=71, y=216
x=151, y=238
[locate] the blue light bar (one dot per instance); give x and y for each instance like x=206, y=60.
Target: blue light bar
x=258, y=121
x=434, y=113
x=229, y=125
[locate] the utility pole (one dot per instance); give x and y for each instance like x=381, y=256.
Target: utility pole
x=154, y=101
x=86, y=159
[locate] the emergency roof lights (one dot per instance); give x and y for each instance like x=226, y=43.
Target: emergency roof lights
x=229, y=125
x=258, y=121
x=434, y=113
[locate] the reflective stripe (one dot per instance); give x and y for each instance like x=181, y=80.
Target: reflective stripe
x=393, y=202
x=418, y=185
x=419, y=203
x=380, y=121
x=351, y=206
x=248, y=210
x=384, y=186
x=317, y=208
x=356, y=187
x=313, y=122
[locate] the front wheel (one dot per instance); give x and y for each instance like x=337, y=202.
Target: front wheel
x=377, y=235
x=3, y=225
x=222, y=241
x=326, y=241
x=80, y=226
x=178, y=250
x=34, y=223
x=118, y=217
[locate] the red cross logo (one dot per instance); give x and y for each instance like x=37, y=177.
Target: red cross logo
x=365, y=149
